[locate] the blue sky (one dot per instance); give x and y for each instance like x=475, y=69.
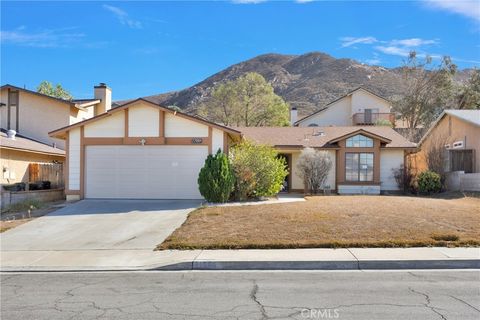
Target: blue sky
x=144, y=48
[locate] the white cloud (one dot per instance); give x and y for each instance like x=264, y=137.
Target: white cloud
x=467, y=8
x=303, y=1
x=413, y=42
x=393, y=50
x=350, y=41
x=123, y=17
x=45, y=38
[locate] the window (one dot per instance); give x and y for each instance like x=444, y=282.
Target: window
x=358, y=166
x=359, y=141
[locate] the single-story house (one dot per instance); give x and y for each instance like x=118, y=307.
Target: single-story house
x=458, y=131
x=142, y=150
x=139, y=150
x=364, y=157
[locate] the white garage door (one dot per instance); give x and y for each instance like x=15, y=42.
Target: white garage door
x=143, y=172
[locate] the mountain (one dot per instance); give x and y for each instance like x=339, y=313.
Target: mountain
x=307, y=81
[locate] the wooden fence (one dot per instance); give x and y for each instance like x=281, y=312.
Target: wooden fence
x=52, y=172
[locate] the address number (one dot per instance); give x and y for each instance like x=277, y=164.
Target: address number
x=197, y=140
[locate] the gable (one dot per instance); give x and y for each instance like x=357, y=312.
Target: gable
x=362, y=99
x=107, y=127
x=337, y=113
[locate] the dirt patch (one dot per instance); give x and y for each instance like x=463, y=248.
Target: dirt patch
x=14, y=218
x=333, y=221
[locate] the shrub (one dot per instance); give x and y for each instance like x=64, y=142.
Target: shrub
x=215, y=180
x=383, y=122
x=404, y=178
x=258, y=170
x=429, y=181
x=314, y=167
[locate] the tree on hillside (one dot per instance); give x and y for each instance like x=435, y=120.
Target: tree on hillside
x=468, y=94
x=427, y=89
x=247, y=101
x=46, y=87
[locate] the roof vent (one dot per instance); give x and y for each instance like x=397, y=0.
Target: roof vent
x=318, y=134
x=11, y=134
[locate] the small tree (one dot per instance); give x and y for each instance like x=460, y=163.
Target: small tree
x=436, y=154
x=314, y=167
x=258, y=170
x=215, y=180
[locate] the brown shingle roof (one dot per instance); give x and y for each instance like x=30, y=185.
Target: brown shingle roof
x=313, y=137
x=22, y=143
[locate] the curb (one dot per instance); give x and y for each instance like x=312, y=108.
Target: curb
x=323, y=265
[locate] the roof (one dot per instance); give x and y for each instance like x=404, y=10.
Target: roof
x=470, y=116
x=76, y=103
x=338, y=99
x=22, y=143
x=59, y=132
x=301, y=137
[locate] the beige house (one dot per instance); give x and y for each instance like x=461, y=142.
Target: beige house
x=458, y=132
x=364, y=157
x=139, y=150
x=358, y=107
x=33, y=114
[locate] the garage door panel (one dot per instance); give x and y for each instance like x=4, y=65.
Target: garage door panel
x=143, y=172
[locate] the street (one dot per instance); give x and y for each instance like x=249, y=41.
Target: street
x=242, y=295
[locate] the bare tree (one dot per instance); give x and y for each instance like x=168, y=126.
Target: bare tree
x=314, y=167
x=427, y=88
x=436, y=154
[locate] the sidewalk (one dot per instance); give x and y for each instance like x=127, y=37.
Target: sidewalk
x=290, y=259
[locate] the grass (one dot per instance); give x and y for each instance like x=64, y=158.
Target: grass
x=333, y=222
x=26, y=205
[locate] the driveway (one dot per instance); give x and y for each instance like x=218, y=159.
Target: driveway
x=95, y=235
x=101, y=225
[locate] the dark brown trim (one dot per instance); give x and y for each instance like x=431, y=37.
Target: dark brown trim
x=225, y=142
x=67, y=164
x=8, y=109
x=362, y=132
x=148, y=140
x=68, y=102
x=161, y=123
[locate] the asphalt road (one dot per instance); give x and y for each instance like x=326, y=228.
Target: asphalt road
x=242, y=295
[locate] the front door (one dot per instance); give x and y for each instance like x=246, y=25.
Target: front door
x=286, y=183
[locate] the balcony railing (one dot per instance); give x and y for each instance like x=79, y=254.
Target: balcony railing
x=371, y=119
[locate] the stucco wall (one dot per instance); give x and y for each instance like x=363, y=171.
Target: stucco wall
x=37, y=116
x=16, y=164
x=448, y=130
x=390, y=160
x=111, y=126
x=143, y=121
x=337, y=114
x=217, y=140
x=362, y=100
x=176, y=126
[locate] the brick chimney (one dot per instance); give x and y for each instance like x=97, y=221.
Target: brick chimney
x=293, y=116
x=103, y=93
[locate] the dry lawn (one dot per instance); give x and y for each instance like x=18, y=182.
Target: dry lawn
x=333, y=221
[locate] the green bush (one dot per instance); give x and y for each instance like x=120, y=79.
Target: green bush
x=429, y=181
x=215, y=180
x=258, y=170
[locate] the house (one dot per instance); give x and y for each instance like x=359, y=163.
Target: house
x=364, y=157
x=17, y=155
x=358, y=107
x=33, y=114
x=457, y=132
x=139, y=150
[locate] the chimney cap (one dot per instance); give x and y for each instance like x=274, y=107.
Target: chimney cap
x=102, y=85
x=294, y=108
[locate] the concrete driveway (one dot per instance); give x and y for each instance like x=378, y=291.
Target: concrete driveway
x=101, y=225
x=95, y=235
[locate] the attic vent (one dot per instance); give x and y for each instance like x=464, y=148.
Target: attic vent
x=458, y=144
x=11, y=134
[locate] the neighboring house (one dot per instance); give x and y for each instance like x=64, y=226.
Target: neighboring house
x=139, y=150
x=364, y=158
x=458, y=133
x=33, y=114
x=18, y=152
x=358, y=107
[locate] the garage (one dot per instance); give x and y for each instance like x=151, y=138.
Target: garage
x=143, y=172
